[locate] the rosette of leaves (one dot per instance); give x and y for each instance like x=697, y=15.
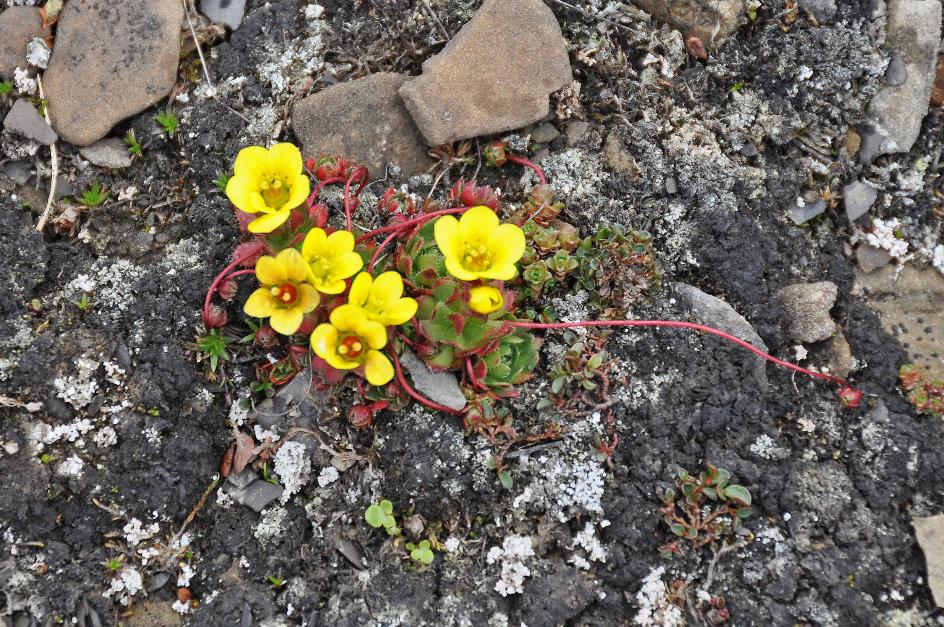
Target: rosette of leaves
x=926, y=396
x=420, y=260
x=380, y=515
x=512, y=362
x=421, y=552
x=541, y=207
x=618, y=268
x=537, y=276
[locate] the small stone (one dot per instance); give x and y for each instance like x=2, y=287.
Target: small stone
x=807, y=308
x=871, y=139
x=930, y=534
x=228, y=12
x=257, y=495
x=110, y=152
x=870, y=258
x=801, y=215
x=364, y=120
x=838, y=355
x=495, y=75
x=858, y=198
x=111, y=61
x=544, y=133
x=671, y=185
x=749, y=150
x=24, y=119
x=896, y=72
x=440, y=387
x=709, y=20
x=18, y=26
x=822, y=10
x=576, y=130
x=241, y=479
x=913, y=33
x=618, y=157
x=19, y=171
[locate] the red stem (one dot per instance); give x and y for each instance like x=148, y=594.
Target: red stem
x=361, y=173
x=413, y=393
x=219, y=279
x=383, y=244
x=240, y=273
x=681, y=325
x=409, y=223
x=528, y=164
x=322, y=184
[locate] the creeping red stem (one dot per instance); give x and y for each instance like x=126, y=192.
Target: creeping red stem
x=471, y=374
x=383, y=244
x=681, y=325
x=400, y=226
x=240, y=273
x=220, y=278
x=528, y=164
x=359, y=173
x=413, y=393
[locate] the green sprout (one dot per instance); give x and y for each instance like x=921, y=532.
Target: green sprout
x=213, y=346
x=168, y=121
x=267, y=475
x=83, y=303
x=381, y=515
x=113, y=564
x=221, y=181
x=45, y=459
x=276, y=582
x=94, y=195
x=134, y=147
x=5, y=88
x=421, y=552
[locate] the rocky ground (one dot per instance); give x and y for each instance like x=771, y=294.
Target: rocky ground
x=785, y=160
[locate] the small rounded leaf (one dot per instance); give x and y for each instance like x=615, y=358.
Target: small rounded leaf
x=386, y=506
x=738, y=493
x=374, y=516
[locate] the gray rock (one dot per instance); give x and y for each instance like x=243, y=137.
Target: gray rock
x=364, y=120
x=24, y=119
x=749, y=149
x=544, y=133
x=872, y=138
x=576, y=130
x=897, y=72
x=709, y=20
x=228, y=12
x=807, y=308
x=241, y=479
x=801, y=215
x=930, y=534
x=110, y=152
x=18, y=26
x=870, y=258
x=913, y=33
x=839, y=355
x=495, y=75
x=111, y=61
x=256, y=495
x=671, y=185
x=440, y=387
x=858, y=198
x=817, y=495
x=20, y=171
x=712, y=311
x=822, y=10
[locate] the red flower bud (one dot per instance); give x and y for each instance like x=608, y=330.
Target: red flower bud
x=495, y=154
x=215, y=317
x=331, y=167
x=228, y=289
x=318, y=214
x=469, y=195
x=850, y=397
x=266, y=337
x=361, y=417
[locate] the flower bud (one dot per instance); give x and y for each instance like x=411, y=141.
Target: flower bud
x=266, y=337
x=318, y=214
x=215, y=317
x=850, y=397
x=470, y=195
x=485, y=299
x=495, y=154
x=228, y=289
x=184, y=595
x=361, y=417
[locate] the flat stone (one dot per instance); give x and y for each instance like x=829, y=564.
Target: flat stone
x=495, y=75
x=871, y=139
x=930, y=534
x=870, y=258
x=24, y=119
x=822, y=10
x=712, y=311
x=913, y=33
x=807, y=308
x=256, y=495
x=18, y=26
x=544, y=133
x=709, y=20
x=858, y=198
x=801, y=215
x=110, y=152
x=440, y=387
x=897, y=72
x=576, y=130
x=111, y=61
x=20, y=171
x=838, y=355
x=364, y=120
x=228, y=12
x=241, y=479
x=617, y=157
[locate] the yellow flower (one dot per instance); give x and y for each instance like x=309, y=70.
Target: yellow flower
x=382, y=298
x=331, y=259
x=350, y=341
x=485, y=299
x=271, y=182
x=284, y=297
x=477, y=247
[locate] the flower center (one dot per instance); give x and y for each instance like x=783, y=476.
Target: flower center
x=350, y=347
x=275, y=191
x=477, y=258
x=286, y=294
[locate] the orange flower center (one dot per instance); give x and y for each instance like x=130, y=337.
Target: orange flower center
x=285, y=294
x=477, y=258
x=275, y=191
x=350, y=347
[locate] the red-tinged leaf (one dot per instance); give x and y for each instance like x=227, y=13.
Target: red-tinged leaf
x=226, y=464
x=480, y=369
x=244, y=219
x=318, y=214
x=458, y=322
x=251, y=251
x=323, y=369
x=244, y=447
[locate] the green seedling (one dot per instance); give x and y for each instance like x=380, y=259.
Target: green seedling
x=114, y=564
x=381, y=515
x=168, y=121
x=221, y=181
x=421, y=552
x=5, y=88
x=134, y=147
x=83, y=303
x=94, y=195
x=45, y=459
x=213, y=347
x=275, y=582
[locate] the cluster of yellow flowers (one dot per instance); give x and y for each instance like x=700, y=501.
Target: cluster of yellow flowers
x=272, y=182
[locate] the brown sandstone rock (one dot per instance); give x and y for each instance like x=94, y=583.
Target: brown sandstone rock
x=18, y=25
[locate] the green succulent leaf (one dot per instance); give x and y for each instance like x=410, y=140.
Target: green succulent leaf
x=738, y=493
x=374, y=516
x=386, y=506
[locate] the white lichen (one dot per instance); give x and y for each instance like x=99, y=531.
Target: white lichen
x=292, y=465
x=125, y=585
x=327, y=476
x=136, y=533
x=937, y=259
x=884, y=235
x=511, y=555
x=79, y=389
x=587, y=540
x=71, y=467
x=655, y=608
x=105, y=437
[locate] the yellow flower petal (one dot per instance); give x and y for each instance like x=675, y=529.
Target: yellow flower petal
x=286, y=321
x=360, y=289
x=374, y=333
x=336, y=361
x=506, y=243
x=446, y=231
x=504, y=272
x=294, y=267
x=242, y=192
x=327, y=286
x=485, y=299
x=251, y=161
x=268, y=222
x=285, y=160
x=395, y=313
x=324, y=340
x=377, y=368
x=455, y=268
x=269, y=271
x=260, y=303
x=346, y=265
x=387, y=288
x=340, y=242
x=309, y=298
x=301, y=187
x=314, y=243
x=347, y=318
x=477, y=224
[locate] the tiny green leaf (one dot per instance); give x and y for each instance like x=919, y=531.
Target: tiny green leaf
x=374, y=516
x=738, y=493
x=386, y=506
